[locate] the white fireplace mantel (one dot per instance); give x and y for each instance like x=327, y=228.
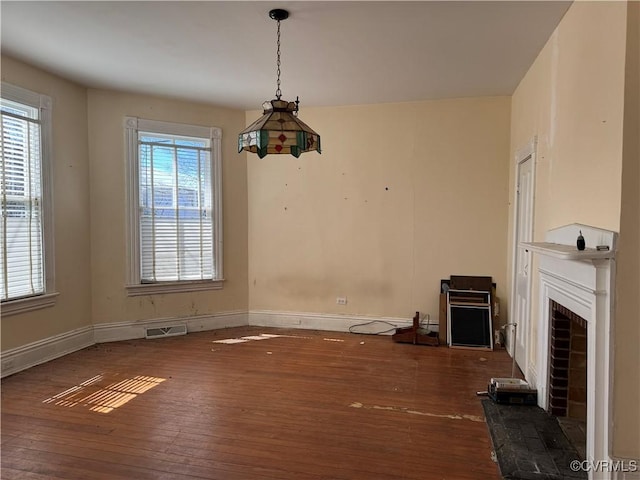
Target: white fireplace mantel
x=568, y=252
x=583, y=282
x=561, y=243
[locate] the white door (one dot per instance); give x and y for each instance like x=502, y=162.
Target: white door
x=521, y=304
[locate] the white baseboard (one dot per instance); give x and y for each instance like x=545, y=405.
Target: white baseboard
x=20, y=358
x=327, y=321
x=26, y=356
x=117, y=331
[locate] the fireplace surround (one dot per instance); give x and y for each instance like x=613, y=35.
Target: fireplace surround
x=582, y=282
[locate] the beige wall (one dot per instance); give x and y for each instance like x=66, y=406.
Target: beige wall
x=626, y=440
x=108, y=243
x=402, y=196
x=71, y=209
x=573, y=100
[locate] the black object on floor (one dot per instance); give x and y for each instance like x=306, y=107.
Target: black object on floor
x=529, y=443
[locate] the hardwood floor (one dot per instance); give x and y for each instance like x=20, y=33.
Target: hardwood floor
x=298, y=405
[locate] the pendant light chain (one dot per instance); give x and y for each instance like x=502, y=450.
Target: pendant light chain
x=278, y=92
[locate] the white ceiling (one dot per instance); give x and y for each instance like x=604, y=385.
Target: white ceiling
x=333, y=53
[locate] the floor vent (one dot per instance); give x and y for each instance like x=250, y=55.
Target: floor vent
x=168, y=331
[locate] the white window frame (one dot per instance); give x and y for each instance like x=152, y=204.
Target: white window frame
x=47, y=299
x=132, y=126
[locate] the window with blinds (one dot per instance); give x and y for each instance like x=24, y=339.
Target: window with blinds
x=176, y=228
x=174, y=202
x=22, y=271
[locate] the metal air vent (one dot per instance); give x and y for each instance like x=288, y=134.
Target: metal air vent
x=165, y=331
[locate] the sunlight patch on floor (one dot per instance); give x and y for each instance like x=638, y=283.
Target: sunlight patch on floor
x=104, y=399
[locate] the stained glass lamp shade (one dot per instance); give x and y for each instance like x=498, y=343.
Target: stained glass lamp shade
x=279, y=131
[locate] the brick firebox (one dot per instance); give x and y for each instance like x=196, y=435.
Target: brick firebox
x=568, y=364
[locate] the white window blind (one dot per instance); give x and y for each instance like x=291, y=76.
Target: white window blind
x=176, y=225
x=174, y=202
x=22, y=271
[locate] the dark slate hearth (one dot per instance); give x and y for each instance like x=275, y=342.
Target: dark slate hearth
x=529, y=443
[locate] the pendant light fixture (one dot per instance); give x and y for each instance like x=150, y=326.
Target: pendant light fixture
x=279, y=130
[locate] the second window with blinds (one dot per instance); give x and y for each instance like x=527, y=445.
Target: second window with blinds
x=174, y=204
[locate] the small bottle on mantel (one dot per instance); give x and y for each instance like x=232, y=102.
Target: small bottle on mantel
x=580, y=242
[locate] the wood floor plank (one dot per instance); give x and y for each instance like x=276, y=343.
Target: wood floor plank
x=297, y=405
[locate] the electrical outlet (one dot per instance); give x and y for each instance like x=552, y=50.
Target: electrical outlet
x=341, y=300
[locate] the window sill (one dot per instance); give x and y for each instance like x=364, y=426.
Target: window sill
x=173, y=287
x=22, y=305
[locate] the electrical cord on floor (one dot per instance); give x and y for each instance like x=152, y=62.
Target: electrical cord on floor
x=425, y=323
x=426, y=317
x=392, y=329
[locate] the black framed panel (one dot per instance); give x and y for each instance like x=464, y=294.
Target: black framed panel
x=470, y=326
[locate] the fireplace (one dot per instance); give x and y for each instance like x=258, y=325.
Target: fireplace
x=575, y=304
